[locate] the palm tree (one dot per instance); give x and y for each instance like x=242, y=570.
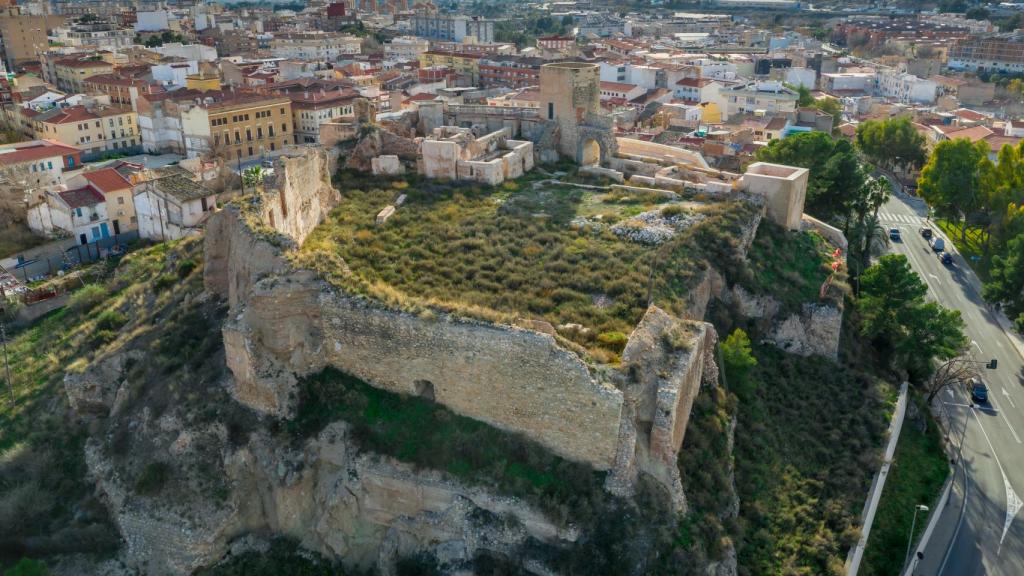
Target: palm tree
x=253, y=177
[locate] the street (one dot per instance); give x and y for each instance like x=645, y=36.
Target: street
x=980, y=530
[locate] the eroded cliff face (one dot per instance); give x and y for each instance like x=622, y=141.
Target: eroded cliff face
x=365, y=509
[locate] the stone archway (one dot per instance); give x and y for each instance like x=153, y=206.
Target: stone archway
x=590, y=152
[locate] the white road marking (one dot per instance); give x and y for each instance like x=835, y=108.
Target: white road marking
x=998, y=343
x=975, y=344
x=1013, y=503
x=1008, y=397
x=933, y=276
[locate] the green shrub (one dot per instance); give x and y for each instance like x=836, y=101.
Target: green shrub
x=165, y=281
x=1019, y=323
x=111, y=320
x=186, y=267
x=738, y=357
x=613, y=340
x=153, y=478
x=673, y=210
x=28, y=567
x=88, y=297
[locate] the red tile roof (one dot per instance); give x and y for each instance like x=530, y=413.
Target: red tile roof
x=33, y=151
x=80, y=197
x=107, y=180
x=694, y=82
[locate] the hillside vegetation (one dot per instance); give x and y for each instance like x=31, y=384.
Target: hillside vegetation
x=144, y=302
x=546, y=251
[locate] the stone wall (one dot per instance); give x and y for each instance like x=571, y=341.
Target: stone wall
x=285, y=323
x=509, y=377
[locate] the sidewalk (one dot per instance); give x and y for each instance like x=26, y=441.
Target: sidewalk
x=934, y=549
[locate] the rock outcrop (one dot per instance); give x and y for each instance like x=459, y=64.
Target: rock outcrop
x=368, y=510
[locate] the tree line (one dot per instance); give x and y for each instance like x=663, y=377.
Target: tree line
x=963, y=185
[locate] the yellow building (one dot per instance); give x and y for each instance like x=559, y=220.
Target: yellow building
x=202, y=82
x=70, y=73
x=244, y=125
x=711, y=113
x=465, y=65
x=98, y=131
x=24, y=36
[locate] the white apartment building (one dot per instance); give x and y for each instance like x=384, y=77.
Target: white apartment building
x=905, y=88
x=405, y=48
x=760, y=96
x=316, y=45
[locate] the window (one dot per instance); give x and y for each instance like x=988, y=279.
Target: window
x=259, y=133
x=78, y=212
x=120, y=121
x=237, y=137
x=97, y=123
x=270, y=130
x=250, y=150
x=282, y=110
x=49, y=165
x=248, y=135
x=120, y=200
x=110, y=122
x=551, y=110
x=284, y=127
x=271, y=146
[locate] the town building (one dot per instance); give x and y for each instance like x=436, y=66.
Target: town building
x=405, y=48
x=70, y=73
x=315, y=45
x=172, y=206
x=1001, y=54
x=760, y=97
x=96, y=129
x=465, y=66
x=454, y=28
x=37, y=163
x=24, y=36
x=510, y=71
x=97, y=35
x=315, y=102
x=241, y=126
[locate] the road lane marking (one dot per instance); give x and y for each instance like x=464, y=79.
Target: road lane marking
x=975, y=344
x=1012, y=501
x=1007, y=394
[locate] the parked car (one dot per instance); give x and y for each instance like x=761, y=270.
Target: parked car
x=979, y=392
x=894, y=234
x=946, y=258
x=938, y=244
x=926, y=233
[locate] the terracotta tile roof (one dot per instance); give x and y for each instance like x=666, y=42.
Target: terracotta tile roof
x=107, y=180
x=73, y=63
x=968, y=114
x=32, y=151
x=617, y=86
x=997, y=141
x=695, y=82
x=80, y=197
x=776, y=123
x=973, y=134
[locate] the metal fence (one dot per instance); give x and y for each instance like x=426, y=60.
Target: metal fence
x=68, y=254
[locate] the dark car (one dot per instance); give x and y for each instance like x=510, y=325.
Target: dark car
x=926, y=233
x=894, y=234
x=979, y=392
x=946, y=258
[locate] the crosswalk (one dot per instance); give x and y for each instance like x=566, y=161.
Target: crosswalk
x=899, y=218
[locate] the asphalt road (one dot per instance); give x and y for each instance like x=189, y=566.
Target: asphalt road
x=981, y=530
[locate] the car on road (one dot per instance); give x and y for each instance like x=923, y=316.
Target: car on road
x=938, y=244
x=946, y=258
x=979, y=392
x=894, y=234
x=926, y=233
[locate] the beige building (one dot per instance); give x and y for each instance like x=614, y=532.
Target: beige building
x=23, y=36
x=315, y=45
x=243, y=126
x=454, y=153
x=70, y=74
x=97, y=130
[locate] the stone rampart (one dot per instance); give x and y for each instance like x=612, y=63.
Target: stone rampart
x=512, y=378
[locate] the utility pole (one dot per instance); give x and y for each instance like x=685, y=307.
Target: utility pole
x=7, y=365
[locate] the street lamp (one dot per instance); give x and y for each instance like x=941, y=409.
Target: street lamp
x=913, y=524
